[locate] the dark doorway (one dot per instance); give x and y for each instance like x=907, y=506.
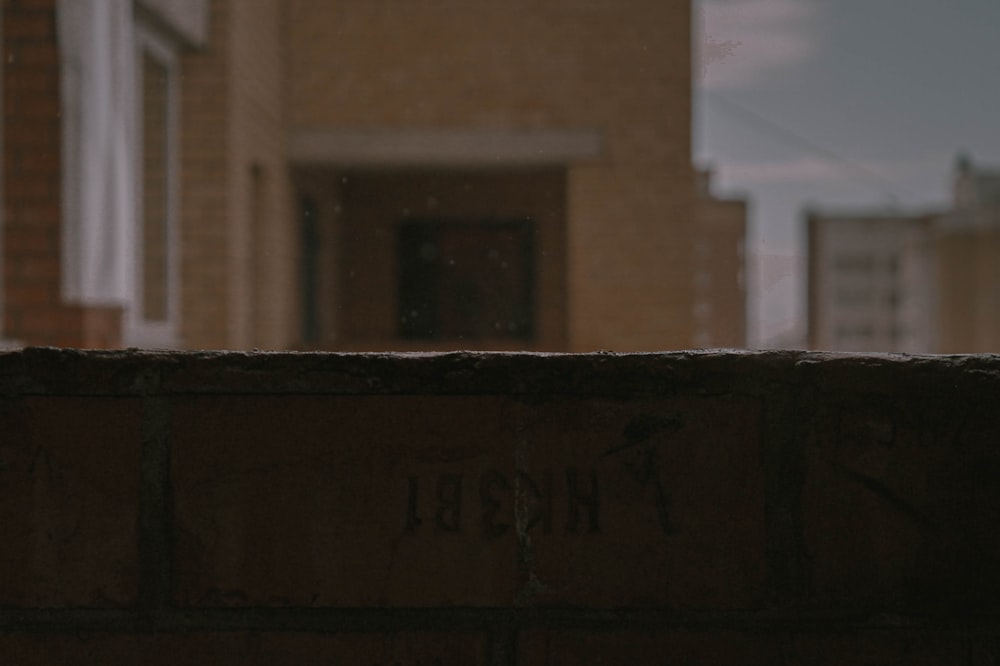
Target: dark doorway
x=466, y=279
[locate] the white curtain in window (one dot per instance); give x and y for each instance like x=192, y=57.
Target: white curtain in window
x=97, y=46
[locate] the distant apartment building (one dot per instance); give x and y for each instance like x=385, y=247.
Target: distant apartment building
x=870, y=282
x=967, y=239
x=327, y=174
x=923, y=283
x=720, y=294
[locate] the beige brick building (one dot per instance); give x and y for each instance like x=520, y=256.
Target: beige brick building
x=968, y=262
x=720, y=316
x=570, y=117
x=380, y=175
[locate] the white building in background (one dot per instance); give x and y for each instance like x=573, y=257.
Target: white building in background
x=871, y=282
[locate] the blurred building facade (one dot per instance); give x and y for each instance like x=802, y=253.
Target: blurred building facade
x=923, y=283
x=968, y=262
x=870, y=282
x=359, y=176
x=720, y=315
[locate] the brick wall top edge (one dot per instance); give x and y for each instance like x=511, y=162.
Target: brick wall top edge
x=137, y=372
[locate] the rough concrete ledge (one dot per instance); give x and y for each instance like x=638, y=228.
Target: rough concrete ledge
x=44, y=370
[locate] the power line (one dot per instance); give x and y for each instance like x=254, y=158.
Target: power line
x=778, y=132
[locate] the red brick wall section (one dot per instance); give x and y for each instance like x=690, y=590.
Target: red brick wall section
x=498, y=509
x=33, y=310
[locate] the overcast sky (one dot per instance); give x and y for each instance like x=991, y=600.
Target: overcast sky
x=856, y=104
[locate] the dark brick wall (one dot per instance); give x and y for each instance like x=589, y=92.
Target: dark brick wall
x=694, y=508
x=32, y=190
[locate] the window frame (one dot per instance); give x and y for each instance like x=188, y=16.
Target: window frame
x=139, y=331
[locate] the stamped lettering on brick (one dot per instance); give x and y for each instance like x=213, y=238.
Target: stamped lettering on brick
x=446, y=503
x=489, y=500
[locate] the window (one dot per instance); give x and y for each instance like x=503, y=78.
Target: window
x=465, y=279
x=892, y=265
x=155, y=183
x=853, y=263
x=853, y=297
x=858, y=332
x=152, y=319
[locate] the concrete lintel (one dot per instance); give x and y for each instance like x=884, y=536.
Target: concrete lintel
x=188, y=19
x=458, y=148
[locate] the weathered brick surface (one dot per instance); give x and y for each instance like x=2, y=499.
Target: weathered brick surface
x=709, y=508
x=893, y=499
x=252, y=649
x=631, y=508
x=694, y=648
x=724, y=647
x=69, y=491
x=329, y=481
x=467, y=501
x=907, y=646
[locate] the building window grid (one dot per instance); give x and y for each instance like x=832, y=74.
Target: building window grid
x=870, y=287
